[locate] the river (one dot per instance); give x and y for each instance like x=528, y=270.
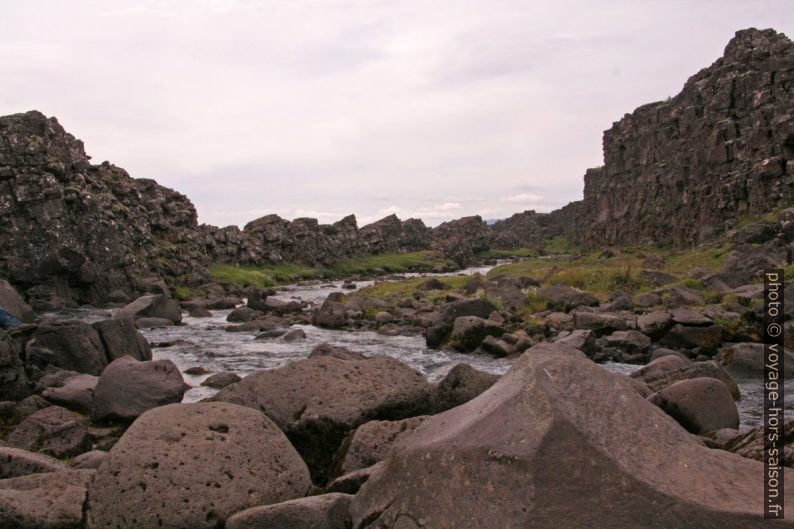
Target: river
x=203, y=342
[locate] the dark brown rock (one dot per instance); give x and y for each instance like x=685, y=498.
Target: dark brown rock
x=120, y=338
x=127, y=388
x=460, y=385
x=75, y=393
x=13, y=380
x=660, y=379
x=53, y=431
x=468, y=332
x=69, y=345
x=221, y=380
x=371, y=442
x=699, y=404
x=681, y=336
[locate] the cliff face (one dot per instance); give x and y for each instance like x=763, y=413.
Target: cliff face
x=271, y=239
x=687, y=169
x=72, y=232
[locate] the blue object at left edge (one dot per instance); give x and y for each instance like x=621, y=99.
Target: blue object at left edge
x=7, y=320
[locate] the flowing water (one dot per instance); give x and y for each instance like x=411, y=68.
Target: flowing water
x=203, y=342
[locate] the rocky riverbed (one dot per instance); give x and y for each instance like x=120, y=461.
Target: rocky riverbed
x=201, y=347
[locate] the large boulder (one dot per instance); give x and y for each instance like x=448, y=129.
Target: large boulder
x=69, y=345
x=461, y=384
x=127, y=388
x=658, y=379
x=371, y=442
x=317, y=401
x=12, y=302
x=327, y=511
x=442, y=326
x=699, y=404
x=193, y=465
x=53, y=431
x=468, y=332
x=120, y=338
x=16, y=462
x=151, y=306
x=626, y=463
x=50, y=500
x=13, y=380
x=744, y=358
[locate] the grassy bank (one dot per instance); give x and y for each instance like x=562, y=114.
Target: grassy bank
x=603, y=276
x=506, y=254
x=391, y=263
x=280, y=274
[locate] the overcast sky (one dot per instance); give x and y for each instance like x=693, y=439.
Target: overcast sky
x=434, y=109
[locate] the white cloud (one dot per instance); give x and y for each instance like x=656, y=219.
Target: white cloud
x=524, y=198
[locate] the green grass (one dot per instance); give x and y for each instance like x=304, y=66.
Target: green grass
x=396, y=290
x=261, y=276
x=280, y=274
x=558, y=245
x=392, y=263
x=506, y=254
x=681, y=262
x=604, y=276
x=183, y=293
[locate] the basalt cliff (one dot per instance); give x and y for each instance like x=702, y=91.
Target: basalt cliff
x=688, y=169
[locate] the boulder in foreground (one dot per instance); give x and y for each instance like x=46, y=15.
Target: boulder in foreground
x=559, y=441
x=318, y=400
x=194, y=465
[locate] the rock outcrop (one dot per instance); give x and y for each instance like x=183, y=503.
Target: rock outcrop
x=271, y=239
x=687, y=169
x=74, y=232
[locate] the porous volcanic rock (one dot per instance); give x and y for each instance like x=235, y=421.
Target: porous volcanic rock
x=626, y=464
x=193, y=465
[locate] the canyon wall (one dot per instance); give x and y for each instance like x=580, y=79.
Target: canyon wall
x=687, y=169
x=73, y=233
